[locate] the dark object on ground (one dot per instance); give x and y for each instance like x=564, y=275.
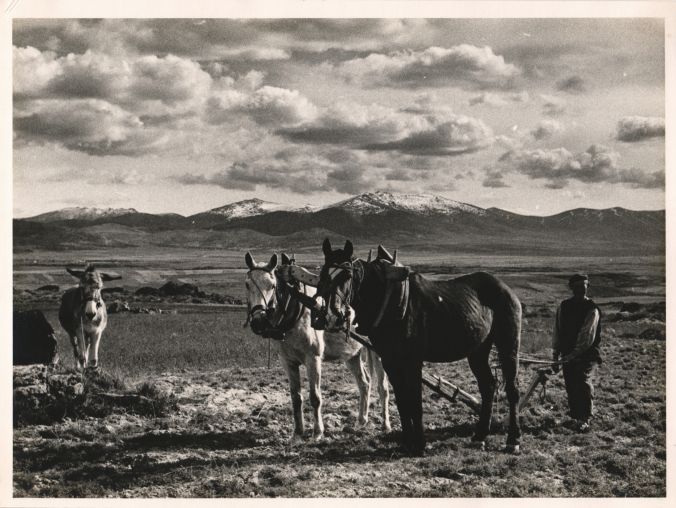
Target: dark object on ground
x=49, y=287
x=630, y=307
x=118, y=306
x=34, y=340
x=147, y=291
x=652, y=334
x=173, y=288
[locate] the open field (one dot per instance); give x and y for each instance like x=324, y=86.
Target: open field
x=229, y=435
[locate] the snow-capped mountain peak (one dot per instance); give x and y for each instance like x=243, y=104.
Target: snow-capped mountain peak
x=423, y=204
x=82, y=213
x=255, y=206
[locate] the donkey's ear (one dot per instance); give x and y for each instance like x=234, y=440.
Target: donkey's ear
x=286, y=260
x=273, y=262
x=326, y=247
x=348, y=249
x=75, y=273
x=383, y=254
x=248, y=258
x=105, y=277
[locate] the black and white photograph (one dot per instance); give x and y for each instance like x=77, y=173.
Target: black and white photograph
x=336, y=250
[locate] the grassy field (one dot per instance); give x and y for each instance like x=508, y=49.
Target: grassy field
x=229, y=435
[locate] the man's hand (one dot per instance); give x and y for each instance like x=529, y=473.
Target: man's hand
x=555, y=367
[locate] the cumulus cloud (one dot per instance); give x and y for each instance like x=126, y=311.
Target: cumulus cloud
x=378, y=128
x=546, y=129
x=494, y=179
x=267, y=105
x=435, y=66
x=572, y=84
x=597, y=164
x=499, y=100
x=552, y=105
x=92, y=126
x=637, y=128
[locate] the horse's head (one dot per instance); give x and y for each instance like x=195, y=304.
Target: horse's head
x=357, y=290
x=261, y=286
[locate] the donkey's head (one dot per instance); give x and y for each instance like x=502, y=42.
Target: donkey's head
x=90, y=283
x=261, y=285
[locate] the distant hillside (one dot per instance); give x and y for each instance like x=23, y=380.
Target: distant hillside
x=413, y=220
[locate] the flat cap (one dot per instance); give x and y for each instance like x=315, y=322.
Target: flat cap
x=578, y=277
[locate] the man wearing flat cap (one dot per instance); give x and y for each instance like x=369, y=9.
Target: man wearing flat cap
x=576, y=338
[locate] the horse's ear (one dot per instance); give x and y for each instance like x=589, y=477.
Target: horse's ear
x=326, y=247
x=293, y=259
x=368, y=260
x=383, y=254
x=248, y=258
x=348, y=249
x=75, y=273
x=394, y=258
x=286, y=260
x=106, y=277
x=273, y=262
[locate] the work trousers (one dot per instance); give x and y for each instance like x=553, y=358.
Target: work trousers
x=578, y=375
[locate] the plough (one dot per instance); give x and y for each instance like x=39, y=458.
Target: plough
x=453, y=393
x=437, y=384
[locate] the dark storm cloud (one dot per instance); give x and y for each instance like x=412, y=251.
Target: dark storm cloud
x=597, y=164
x=571, y=84
x=637, y=128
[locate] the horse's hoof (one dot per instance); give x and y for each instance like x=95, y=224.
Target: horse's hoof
x=318, y=437
x=387, y=428
x=514, y=449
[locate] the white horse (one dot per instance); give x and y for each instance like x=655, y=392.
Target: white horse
x=83, y=314
x=274, y=312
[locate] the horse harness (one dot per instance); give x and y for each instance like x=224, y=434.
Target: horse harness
x=349, y=268
x=280, y=322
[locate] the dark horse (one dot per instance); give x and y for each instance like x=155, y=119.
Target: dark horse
x=411, y=320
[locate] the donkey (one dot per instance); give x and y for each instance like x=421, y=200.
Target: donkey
x=274, y=312
x=411, y=320
x=83, y=314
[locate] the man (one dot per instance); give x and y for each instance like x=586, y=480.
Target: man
x=576, y=338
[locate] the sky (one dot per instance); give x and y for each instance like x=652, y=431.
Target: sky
x=534, y=116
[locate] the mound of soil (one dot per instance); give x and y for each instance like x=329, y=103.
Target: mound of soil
x=49, y=287
x=44, y=395
x=652, y=334
x=147, y=291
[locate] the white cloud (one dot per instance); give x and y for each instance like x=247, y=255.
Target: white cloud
x=546, y=129
x=637, y=128
x=434, y=66
x=552, y=105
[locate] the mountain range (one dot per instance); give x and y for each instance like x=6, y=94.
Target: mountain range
x=426, y=222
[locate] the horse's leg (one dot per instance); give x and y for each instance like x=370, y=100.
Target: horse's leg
x=313, y=364
x=414, y=388
x=94, y=351
x=363, y=379
x=395, y=373
x=508, y=353
x=378, y=372
x=478, y=362
x=293, y=373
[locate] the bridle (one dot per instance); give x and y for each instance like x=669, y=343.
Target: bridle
x=270, y=304
x=347, y=271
